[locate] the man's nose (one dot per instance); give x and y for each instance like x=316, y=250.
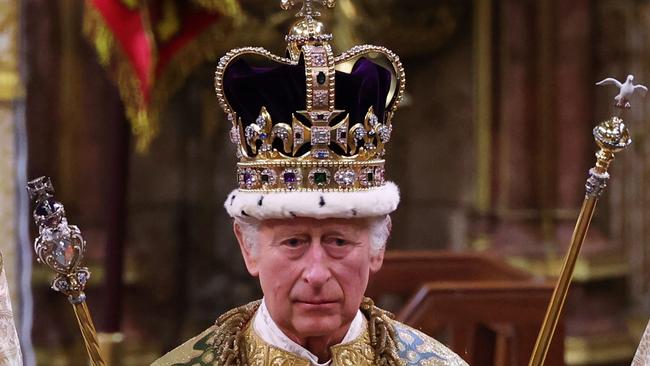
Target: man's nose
x=316, y=271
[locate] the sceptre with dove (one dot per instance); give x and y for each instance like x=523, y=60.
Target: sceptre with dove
x=626, y=90
x=612, y=136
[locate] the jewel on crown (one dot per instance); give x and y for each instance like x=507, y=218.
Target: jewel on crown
x=315, y=145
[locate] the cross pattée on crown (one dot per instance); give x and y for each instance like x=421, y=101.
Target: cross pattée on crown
x=307, y=8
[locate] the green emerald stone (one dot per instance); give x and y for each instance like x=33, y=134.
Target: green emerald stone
x=371, y=177
x=321, y=78
x=320, y=178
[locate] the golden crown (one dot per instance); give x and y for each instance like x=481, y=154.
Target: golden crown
x=315, y=145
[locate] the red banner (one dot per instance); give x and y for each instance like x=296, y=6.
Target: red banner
x=150, y=47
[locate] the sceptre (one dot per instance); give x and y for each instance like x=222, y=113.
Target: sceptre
x=61, y=247
x=611, y=137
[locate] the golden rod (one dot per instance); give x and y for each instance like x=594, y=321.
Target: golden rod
x=88, y=333
x=554, y=309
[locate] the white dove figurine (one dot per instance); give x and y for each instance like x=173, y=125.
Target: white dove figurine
x=627, y=89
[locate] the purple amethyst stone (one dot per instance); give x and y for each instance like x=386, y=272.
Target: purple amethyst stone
x=289, y=177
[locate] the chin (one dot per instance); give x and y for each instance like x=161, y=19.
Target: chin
x=315, y=326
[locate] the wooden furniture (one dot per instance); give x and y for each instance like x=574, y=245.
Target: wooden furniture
x=486, y=311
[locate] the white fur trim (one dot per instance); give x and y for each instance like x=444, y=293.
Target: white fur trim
x=320, y=205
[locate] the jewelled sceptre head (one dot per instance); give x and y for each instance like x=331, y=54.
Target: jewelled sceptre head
x=612, y=136
x=61, y=247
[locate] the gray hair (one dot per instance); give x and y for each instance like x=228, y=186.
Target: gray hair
x=379, y=227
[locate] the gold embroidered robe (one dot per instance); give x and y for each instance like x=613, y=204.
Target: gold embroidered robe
x=406, y=347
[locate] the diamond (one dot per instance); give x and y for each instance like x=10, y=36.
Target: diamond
x=260, y=121
x=321, y=78
x=319, y=177
x=291, y=178
x=320, y=97
x=266, y=147
x=359, y=134
x=82, y=277
x=280, y=133
x=250, y=132
x=64, y=251
x=320, y=135
x=60, y=284
x=318, y=59
x=345, y=177
x=384, y=133
x=234, y=134
x=373, y=120
x=320, y=154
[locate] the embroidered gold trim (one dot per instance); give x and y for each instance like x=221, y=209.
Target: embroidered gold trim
x=234, y=345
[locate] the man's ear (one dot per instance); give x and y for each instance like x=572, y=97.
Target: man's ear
x=246, y=251
x=377, y=259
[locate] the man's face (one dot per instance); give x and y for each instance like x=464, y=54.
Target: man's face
x=313, y=273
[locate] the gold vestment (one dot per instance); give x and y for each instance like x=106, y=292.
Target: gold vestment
x=233, y=341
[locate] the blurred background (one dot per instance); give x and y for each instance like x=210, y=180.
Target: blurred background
x=114, y=100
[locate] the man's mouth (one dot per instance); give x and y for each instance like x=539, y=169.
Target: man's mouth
x=316, y=302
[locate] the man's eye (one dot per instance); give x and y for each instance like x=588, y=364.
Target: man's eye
x=293, y=242
x=339, y=242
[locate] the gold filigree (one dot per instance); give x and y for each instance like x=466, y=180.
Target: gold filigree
x=260, y=353
x=255, y=141
x=358, y=352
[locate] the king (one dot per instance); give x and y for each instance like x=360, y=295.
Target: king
x=311, y=211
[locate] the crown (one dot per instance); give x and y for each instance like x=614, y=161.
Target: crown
x=310, y=121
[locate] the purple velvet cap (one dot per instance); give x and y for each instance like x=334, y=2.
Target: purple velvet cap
x=282, y=90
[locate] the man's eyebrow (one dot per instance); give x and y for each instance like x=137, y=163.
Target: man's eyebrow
x=338, y=231
x=288, y=230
